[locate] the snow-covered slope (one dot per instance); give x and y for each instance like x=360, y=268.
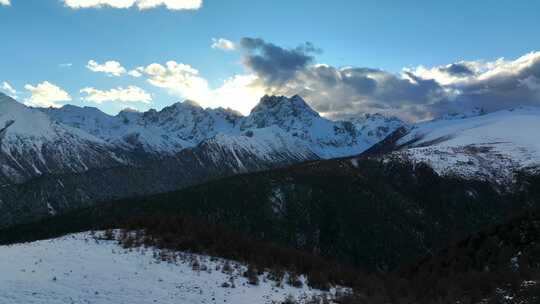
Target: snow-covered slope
x=31, y=144
x=185, y=125
x=81, y=269
x=489, y=146
x=269, y=145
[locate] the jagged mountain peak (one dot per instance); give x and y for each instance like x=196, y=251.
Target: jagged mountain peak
x=129, y=110
x=190, y=103
x=182, y=106
x=283, y=105
x=228, y=112
x=281, y=111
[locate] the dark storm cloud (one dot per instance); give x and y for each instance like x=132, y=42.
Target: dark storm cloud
x=274, y=64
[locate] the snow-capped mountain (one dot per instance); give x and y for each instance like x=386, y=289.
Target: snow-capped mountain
x=185, y=125
x=179, y=126
x=32, y=144
x=326, y=138
x=485, y=146
x=82, y=269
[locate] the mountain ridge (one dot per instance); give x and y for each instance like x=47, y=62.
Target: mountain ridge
x=186, y=124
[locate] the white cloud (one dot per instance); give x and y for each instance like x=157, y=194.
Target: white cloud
x=111, y=68
x=223, y=44
x=239, y=92
x=178, y=77
x=46, y=94
x=9, y=89
x=129, y=94
x=137, y=72
x=141, y=4
x=66, y=65
x=5, y=2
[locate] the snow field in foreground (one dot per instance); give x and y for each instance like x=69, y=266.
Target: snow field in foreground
x=79, y=268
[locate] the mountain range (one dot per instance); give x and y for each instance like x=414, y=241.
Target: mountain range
x=58, y=159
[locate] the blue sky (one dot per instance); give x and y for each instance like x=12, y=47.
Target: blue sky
x=38, y=36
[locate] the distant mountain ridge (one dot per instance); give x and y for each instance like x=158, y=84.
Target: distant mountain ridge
x=72, y=139
x=176, y=127
x=186, y=125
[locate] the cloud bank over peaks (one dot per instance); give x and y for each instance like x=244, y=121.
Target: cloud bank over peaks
x=412, y=94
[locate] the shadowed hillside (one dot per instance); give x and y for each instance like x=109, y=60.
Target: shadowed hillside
x=368, y=213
